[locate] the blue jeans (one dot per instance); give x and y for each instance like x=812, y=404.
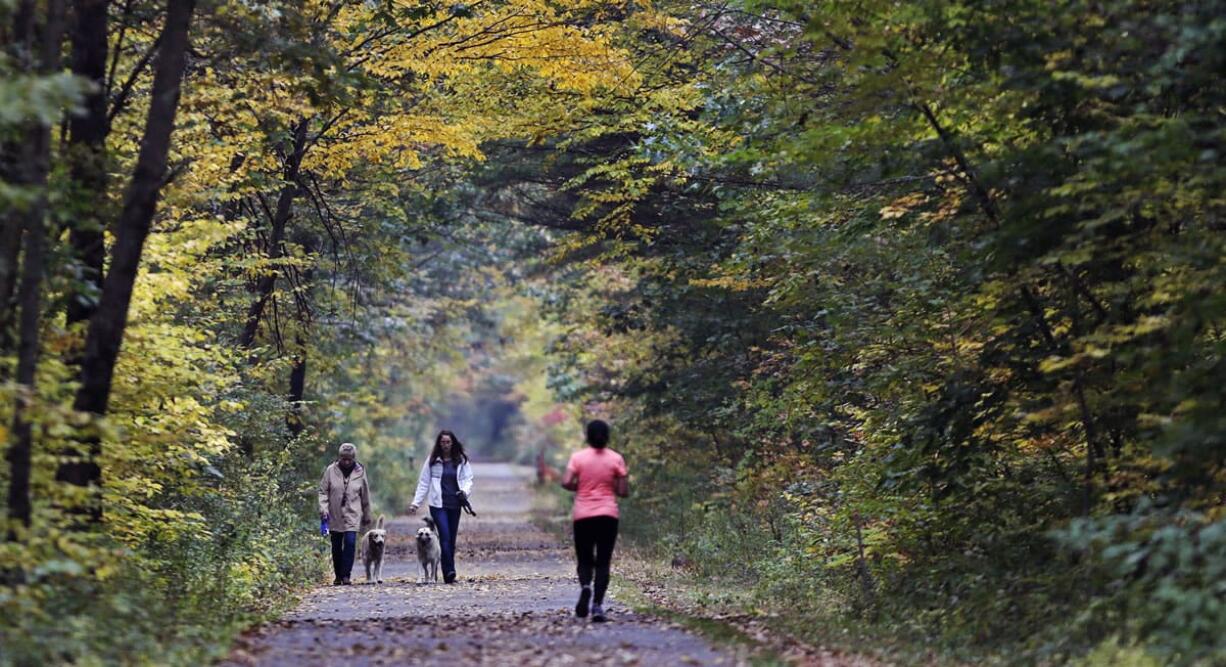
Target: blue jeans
x=448, y=522
x=343, y=545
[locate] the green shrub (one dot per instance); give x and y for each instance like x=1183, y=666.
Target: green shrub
x=177, y=600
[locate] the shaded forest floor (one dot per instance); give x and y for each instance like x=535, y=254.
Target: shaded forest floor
x=727, y=611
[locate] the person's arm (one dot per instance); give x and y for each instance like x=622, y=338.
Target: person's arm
x=423, y=487
x=325, y=490
x=570, y=479
x=364, y=492
x=465, y=479
x=621, y=486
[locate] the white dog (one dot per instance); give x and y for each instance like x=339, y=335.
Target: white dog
x=373, y=543
x=429, y=552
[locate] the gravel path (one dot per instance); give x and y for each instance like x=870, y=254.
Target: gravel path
x=512, y=604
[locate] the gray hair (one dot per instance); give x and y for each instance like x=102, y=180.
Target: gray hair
x=348, y=448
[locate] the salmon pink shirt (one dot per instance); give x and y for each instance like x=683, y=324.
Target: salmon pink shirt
x=597, y=470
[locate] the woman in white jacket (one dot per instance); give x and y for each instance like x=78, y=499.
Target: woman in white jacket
x=445, y=476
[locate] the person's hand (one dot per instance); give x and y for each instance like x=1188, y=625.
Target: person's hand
x=323, y=516
x=412, y=509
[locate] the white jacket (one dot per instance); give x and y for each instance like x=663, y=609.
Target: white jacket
x=431, y=481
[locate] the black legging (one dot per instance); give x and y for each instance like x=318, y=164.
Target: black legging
x=594, y=540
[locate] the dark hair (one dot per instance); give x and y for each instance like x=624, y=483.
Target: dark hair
x=597, y=434
x=457, y=448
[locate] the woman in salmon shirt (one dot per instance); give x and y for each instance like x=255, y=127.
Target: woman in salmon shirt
x=598, y=477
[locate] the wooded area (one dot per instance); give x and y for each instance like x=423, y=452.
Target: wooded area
x=908, y=315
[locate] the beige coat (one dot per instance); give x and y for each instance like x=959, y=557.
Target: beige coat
x=345, y=501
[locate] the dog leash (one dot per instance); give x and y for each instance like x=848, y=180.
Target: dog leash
x=464, y=504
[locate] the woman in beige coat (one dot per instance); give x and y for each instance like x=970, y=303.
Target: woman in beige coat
x=344, y=502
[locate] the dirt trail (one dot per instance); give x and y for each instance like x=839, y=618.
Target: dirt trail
x=512, y=604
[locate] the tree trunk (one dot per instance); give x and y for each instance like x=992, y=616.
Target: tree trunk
x=106, y=327
x=297, y=377
x=15, y=37
x=11, y=228
x=30, y=301
x=32, y=170
x=280, y=219
x=87, y=135
x=297, y=388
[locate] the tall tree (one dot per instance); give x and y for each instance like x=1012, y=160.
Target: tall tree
x=39, y=50
x=11, y=226
x=87, y=133
x=10, y=250
x=106, y=329
x=278, y=221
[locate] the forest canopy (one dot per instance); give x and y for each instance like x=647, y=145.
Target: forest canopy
x=908, y=315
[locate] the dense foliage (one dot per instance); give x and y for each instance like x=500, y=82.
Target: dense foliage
x=226, y=250
x=908, y=314
x=913, y=314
